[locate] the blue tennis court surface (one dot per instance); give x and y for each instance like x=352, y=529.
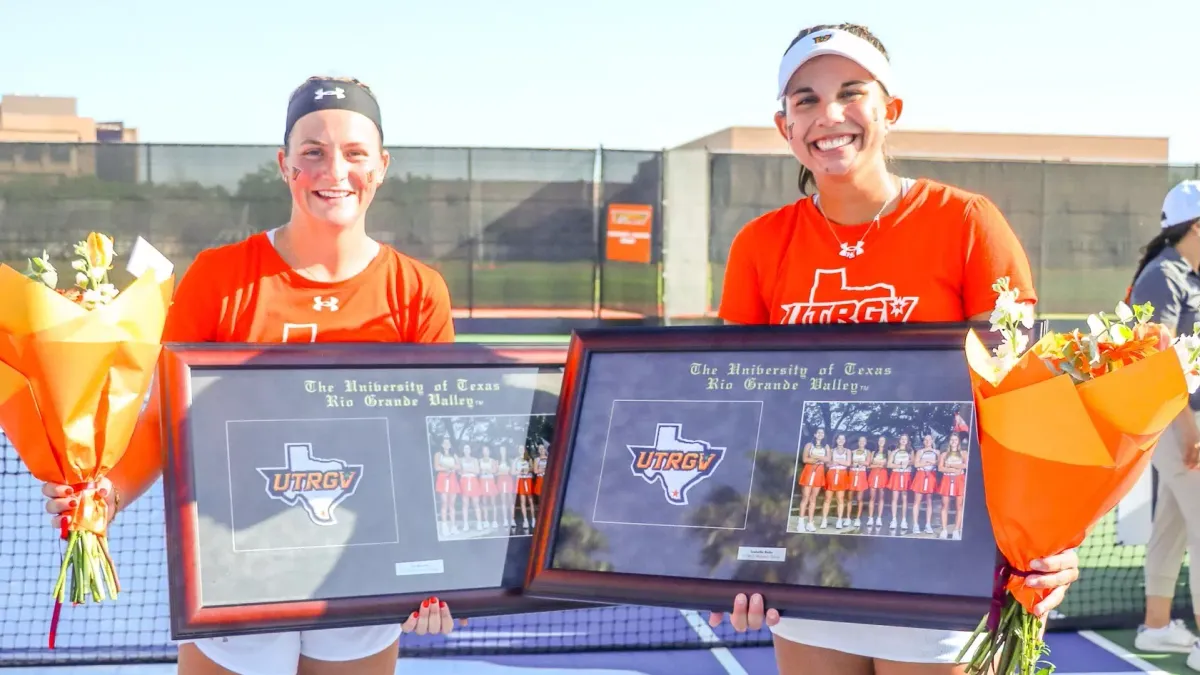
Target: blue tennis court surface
x=1073, y=653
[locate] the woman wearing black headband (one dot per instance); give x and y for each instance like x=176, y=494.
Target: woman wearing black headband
x=318, y=278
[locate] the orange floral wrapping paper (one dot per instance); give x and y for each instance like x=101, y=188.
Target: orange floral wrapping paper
x=1059, y=455
x=72, y=381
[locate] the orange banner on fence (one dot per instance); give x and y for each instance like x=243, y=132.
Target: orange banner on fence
x=628, y=232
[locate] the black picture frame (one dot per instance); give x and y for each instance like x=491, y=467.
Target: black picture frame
x=591, y=350
x=195, y=615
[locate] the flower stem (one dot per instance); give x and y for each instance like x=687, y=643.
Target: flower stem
x=90, y=569
x=1014, y=648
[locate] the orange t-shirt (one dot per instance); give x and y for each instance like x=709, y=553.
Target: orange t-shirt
x=246, y=292
x=934, y=258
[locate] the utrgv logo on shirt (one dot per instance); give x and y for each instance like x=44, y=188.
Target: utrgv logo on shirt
x=679, y=464
x=832, y=300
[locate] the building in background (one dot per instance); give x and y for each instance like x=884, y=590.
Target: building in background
x=967, y=146
x=44, y=135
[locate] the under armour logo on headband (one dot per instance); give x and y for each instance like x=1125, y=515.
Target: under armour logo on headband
x=337, y=91
x=818, y=39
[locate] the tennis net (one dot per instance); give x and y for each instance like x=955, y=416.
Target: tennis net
x=135, y=628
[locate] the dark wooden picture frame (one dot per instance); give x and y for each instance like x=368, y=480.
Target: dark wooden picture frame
x=190, y=619
x=822, y=603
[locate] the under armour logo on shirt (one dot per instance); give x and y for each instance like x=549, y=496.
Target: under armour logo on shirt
x=336, y=91
x=319, y=304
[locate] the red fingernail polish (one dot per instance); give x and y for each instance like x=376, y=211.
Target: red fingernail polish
x=443, y=604
x=433, y=600
x=73, y=503
x=413, y=615
x=70, y=491
x=426, y=603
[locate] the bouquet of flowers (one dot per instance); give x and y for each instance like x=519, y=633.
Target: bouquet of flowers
x=1083, y=410
x=75, y=366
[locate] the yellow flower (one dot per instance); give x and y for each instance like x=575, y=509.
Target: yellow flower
x=99, y=251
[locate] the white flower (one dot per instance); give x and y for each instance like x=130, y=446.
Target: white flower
x=1008, y=350
x=1124, y=313
x=1187, y=348
x=91, y=298
x=81, y=279
x=1024, y=314
x=1008, y=310
x=1117, y=334
x=1096, y=325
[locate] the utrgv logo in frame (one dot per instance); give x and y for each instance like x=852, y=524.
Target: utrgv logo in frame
x=317, y=485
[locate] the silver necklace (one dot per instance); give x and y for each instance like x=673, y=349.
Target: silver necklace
x=847, y=250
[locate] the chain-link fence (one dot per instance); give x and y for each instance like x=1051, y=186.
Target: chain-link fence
x=522, y=232
x=511, y=230
x=1082, y=225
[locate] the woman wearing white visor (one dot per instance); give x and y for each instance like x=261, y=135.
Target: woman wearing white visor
x=938, y=248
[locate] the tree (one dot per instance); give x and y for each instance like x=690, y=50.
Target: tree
x=875, y=419
x=579, y=545
x=811, y=559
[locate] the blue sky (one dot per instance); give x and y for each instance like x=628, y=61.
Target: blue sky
x=638, y=74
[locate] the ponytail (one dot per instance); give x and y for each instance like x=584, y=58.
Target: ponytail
x=807, y=179
x=1169, y=236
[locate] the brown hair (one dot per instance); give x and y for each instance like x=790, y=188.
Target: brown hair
x=806, y=177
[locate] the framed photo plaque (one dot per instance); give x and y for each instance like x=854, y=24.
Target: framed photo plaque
x=328, y=485
x=834, y=469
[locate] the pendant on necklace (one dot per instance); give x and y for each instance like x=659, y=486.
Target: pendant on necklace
x=854, y=251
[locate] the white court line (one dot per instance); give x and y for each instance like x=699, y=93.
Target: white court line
x=1120, y=652
x=707, y=636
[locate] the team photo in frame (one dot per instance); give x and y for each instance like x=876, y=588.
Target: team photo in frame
x=883, y=468
x=487, y=473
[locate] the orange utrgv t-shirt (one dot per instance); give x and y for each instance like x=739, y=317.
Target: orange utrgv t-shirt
x=934, y=258
x=246, y=292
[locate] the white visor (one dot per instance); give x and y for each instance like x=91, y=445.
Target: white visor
x=837, y=42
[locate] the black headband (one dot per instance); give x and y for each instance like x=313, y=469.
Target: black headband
x=332, y=95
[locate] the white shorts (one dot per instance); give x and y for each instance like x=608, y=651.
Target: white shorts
x=279, y=653
x=890, y=643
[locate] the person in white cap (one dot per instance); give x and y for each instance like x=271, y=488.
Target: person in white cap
x=869, y=246
x=1166, y=277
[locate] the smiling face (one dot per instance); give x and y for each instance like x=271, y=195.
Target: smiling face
x=835, y=118
x=334, y=163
